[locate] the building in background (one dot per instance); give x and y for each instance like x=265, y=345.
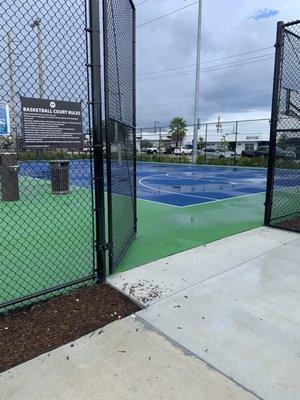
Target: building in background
x=237, y=135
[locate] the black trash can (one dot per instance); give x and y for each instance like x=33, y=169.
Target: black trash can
x=59, y=175
x=9, y=178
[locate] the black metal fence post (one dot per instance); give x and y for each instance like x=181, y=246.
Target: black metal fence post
x=107, y=135
x=97, y=131
x=205, y=154
x=274, y=120
x=134, y=117
x=236, y=134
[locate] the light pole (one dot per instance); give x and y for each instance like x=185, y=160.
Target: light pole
x=197, y=85
x=155, y=132
x=12, y=90
x=37, y=24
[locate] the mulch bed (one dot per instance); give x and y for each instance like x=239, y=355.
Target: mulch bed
x=27, y=333
x=293, y=224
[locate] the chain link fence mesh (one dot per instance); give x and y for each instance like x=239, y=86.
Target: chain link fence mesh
x=284, y=180
x=243, y=143
x=119, y=37
x=46, y=239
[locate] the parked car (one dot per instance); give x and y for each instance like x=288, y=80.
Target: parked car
x=154, y=150
x=226, y=153
x=216, y=153
x=263, y=151
x=183, y=150
x=169, y=150
x=284, y=154
x=248, y=153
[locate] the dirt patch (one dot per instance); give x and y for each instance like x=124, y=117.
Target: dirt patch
x=292, y=224
x=45, y=326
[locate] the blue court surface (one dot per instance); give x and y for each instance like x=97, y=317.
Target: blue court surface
x=176, y=185
x=187, y=185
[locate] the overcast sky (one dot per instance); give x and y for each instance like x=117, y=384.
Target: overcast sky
x=230, y=27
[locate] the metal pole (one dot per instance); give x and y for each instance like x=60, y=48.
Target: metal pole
x=134, y=118
x=97, y=132
x=236, y=133
x=274, y=120
x=197, y=87
x=109, y=125
x=206, y=129
x=12, y=90
x=37, y=24
x=159, y=148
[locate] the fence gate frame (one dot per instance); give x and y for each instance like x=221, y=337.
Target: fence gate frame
x=120, y=126
x=97, y=135
x=278, y=97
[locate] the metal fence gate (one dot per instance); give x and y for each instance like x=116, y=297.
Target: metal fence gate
x=52, y=195
x=119, y=71
x=283, y=187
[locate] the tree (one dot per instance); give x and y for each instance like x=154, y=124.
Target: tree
x=177, y=129
x=282, y=141
x=201, y=143
x=145, y=143
x=223, y=144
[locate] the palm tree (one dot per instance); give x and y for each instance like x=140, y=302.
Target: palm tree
x=177, y=129
x=201, y=143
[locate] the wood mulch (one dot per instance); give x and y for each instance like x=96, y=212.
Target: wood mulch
x=292, y=224
x=27, y=333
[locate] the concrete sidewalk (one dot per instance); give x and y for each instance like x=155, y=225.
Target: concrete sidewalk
x=124, y=361
x=221, y=322
x=163, y=278
x=234, y=304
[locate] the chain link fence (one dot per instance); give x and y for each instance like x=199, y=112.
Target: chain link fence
x=119, y=47
x=55, y=223
x=283, y=190
x=46, y=204
x=221, y=142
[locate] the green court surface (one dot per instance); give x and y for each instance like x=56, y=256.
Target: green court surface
x=164, y=230
x=47, y=240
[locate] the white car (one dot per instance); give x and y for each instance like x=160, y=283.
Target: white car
x=216, y=153
x=183, y=150
x=154, y=150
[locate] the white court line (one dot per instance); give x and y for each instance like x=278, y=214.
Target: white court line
x=173, y=175
x=227, y=198
x=160, y=203
x=212, y=200
x=215, y=179
x=169, y=192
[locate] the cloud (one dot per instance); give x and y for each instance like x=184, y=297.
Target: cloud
x=263, y=13
x=236, y=87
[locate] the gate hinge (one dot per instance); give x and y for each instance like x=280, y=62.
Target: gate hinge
x=103, y=246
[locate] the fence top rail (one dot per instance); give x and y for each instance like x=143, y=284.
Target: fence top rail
x=292, y=23
x=208, y=123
